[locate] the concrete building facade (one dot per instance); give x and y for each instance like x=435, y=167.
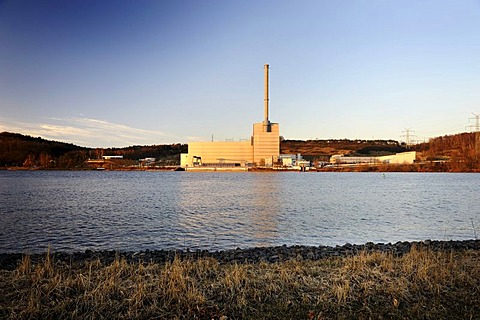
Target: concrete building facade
x=263, y=148
x=265, y=143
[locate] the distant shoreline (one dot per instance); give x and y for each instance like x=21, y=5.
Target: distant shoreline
x=361, y=168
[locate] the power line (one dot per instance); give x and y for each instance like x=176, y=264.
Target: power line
x=458, y=127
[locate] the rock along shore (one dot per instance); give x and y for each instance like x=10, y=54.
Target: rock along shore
x=9, y=261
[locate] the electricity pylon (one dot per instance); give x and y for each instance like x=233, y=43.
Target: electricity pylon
x=477, y=133
x=408, y=137
x=477, y=122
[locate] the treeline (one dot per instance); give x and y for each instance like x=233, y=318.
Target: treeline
x=17, y=150
x=379, y=150
x=459, y=152
x=322, y=150
x=161, y=152
x=20, y=150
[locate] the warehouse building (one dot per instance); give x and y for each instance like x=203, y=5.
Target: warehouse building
x=398, y=158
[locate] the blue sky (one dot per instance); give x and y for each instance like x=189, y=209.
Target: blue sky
x=119, y=73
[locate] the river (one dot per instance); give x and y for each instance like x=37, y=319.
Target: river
x=114, y=210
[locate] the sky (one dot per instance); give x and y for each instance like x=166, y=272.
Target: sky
x=121, y=73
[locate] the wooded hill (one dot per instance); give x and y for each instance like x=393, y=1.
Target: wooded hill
x=17, y=150
x=458, y=152
x=322, y=150
x=454, y=153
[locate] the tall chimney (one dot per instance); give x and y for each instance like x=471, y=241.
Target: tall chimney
x=265, y=100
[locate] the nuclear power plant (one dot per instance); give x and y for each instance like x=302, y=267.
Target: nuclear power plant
x=263, y=148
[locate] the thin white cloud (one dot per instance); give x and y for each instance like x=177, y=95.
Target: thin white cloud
x=90, y=132
x=59, y=131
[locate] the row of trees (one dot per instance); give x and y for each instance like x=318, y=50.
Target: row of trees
x=167, y=151
x=321, y=150
x=18, y=150
x=459, y=152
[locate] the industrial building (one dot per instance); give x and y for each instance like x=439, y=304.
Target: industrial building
x=262, y=149
x=398, y=158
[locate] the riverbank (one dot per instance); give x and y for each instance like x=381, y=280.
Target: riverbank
x=428, y=280
x=10, y=261
x=419, y=168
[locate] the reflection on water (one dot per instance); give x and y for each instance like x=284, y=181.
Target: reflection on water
x=266, y=189
x=178, y=210
x=223, y=208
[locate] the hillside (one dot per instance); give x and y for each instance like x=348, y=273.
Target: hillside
x=458, y=152
x=166, y=154
x=17, y=150
x=20, y=150
x=322, y=150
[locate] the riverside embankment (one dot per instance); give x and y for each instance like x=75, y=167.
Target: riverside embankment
x=250, y=255
x=420, y=280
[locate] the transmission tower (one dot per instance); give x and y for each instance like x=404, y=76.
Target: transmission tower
x=477, y=122
x=477, y=134
x=407, y=133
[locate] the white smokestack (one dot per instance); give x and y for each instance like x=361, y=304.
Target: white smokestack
x=265, y=101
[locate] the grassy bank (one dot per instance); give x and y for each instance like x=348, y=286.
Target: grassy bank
x=420, y=284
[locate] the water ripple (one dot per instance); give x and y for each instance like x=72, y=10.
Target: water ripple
x=73, y=211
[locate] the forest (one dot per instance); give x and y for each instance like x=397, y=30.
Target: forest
x=456, y=153
x=17, y=150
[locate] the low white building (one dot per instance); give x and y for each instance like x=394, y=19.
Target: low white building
x=293, y=160
x=398, y=158
x=341, y=159
x=147, y=161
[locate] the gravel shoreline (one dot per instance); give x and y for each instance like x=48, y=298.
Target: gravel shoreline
x=9, y=261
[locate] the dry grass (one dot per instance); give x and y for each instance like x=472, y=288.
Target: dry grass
x=421, y=284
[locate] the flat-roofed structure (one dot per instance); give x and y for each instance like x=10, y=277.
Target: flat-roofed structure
x=208, y=153
x=398, y=158
x=263, y=148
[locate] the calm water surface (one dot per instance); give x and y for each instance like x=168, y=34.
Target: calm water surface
x=75, y=211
